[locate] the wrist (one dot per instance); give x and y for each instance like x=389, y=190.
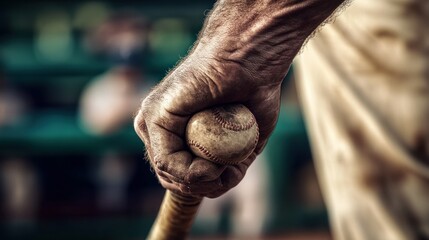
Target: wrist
x=278, y=25
x=259, y=40
x=249, y=44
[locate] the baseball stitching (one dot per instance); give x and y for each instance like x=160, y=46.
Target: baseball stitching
x=206, y=152
x=230, y=125
x=214, y=158
x=256, y=138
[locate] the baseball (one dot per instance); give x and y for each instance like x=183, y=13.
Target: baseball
x=226, y=134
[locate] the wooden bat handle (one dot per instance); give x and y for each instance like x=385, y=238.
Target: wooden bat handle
x=175, y=217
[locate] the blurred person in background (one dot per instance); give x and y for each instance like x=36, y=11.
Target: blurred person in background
x=364, y=86
x=18, y=179
x=20, y=193
x=109, y=102
x=13, y=105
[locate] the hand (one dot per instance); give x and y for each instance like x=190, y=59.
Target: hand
x=196, y=84
x=239, y=58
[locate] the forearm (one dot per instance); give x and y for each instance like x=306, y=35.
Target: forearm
x=255, y=33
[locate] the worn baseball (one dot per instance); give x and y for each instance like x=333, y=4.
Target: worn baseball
x=226, y=134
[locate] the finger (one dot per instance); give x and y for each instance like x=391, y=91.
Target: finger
x=197, y=91
x=163, y=134
x=229, y=179
x=174, y=166
x=246, y=163
x=204, y=188
x=170, y=121
x=167, y=149
x=140, y=127
x=168, y=182
x=232, y=176
x=171, y=186
x=167, y=176
x=202, y=170
x=226, y=177
x=196, y=189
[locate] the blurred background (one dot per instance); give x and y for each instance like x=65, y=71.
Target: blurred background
x=72, y=75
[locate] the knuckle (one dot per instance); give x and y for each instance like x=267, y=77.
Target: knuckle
x=159, y=163
x=194, y=176
x=140, y=124
x=141, y=119
x=230, y=183
x=199, y=176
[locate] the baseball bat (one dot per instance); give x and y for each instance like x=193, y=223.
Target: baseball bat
x=175, y=217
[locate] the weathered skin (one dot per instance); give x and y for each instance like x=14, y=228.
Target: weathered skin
x=242, y=55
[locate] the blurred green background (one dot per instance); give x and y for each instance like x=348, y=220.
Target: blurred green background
x=64, y=176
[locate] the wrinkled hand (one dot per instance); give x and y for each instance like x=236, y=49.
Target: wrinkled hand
x=163, y=116
x=242, y=56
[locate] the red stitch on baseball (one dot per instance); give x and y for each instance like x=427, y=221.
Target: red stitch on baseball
x=230, y=125
x=206, y=152
x=256, y=138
